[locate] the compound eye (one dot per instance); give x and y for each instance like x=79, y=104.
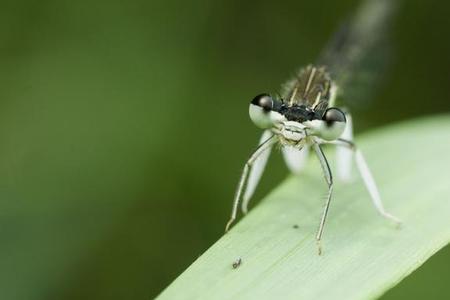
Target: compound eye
x=333, y=115
x=261, y=111
x=264, y=101
x=333, y=124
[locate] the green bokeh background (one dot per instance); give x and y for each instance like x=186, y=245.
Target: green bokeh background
x=124, y=127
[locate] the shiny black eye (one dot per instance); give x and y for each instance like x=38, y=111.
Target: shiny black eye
x=333, y=115
x=264, y=101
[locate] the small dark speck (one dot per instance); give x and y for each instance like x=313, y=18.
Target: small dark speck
x=295, y=226
x=237, y=263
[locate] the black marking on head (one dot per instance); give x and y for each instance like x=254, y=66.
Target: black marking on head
x=298, y=113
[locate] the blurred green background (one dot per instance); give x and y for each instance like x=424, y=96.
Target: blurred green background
x=124, y=128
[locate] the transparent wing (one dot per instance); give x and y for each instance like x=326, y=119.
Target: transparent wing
x=256, y=172
x=295, y=158
x=358, y=53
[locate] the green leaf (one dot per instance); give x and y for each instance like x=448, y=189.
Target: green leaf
x=364, y=255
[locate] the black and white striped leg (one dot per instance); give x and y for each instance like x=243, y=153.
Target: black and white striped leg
x=242, y=182
x=329, y=179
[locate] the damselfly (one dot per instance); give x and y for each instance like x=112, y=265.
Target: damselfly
x=305, y=116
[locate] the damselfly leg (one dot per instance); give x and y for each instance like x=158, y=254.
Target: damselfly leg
x=367, y=178
x=254, y=175
x=344, y=155
x=295, y=158
x=329, y=179
x=262, y=148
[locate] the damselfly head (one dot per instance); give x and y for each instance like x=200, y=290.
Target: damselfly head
x=264, y=111
x=267, y=112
